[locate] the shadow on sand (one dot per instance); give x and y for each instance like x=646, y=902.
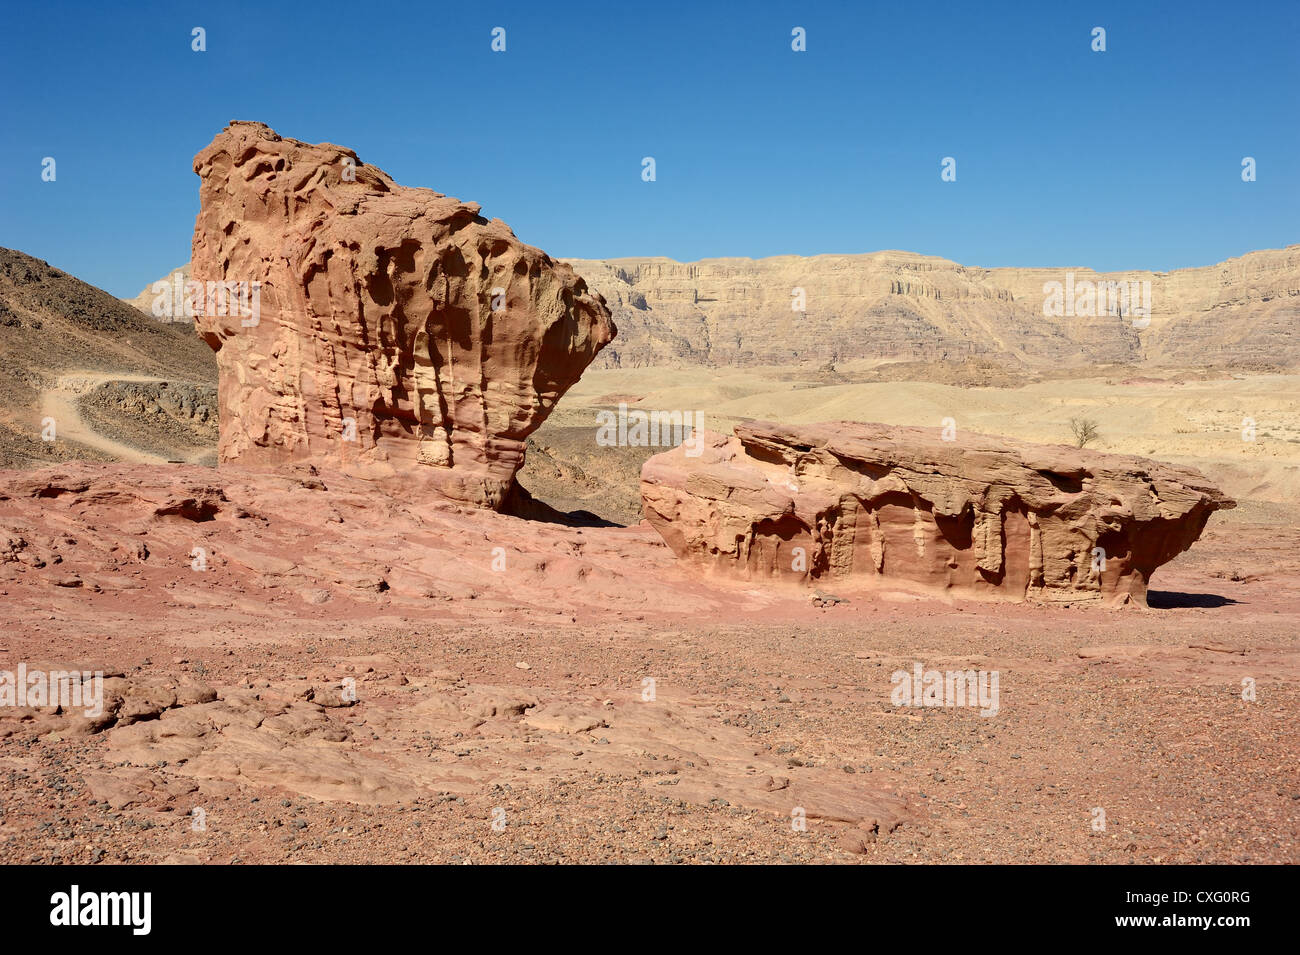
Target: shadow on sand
x=522, y=504
x=1173, y=600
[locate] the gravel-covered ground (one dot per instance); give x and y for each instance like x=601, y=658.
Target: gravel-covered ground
x=520, y=697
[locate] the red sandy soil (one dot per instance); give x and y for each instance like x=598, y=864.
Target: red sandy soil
x=516, y=694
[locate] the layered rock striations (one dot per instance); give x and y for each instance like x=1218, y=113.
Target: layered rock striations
x=390, y=331
x=910, y=307
x=902, y=507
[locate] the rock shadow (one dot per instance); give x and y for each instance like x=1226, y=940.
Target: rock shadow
x=524, y=505
x=1174, y=600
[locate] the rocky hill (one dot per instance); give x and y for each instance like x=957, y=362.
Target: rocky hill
x=116, y=384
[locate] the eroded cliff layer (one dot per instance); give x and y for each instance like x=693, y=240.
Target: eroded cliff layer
x=904, y=306
x=975, y=515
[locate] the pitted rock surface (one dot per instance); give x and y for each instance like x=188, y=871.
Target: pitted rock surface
x=905, y=507
x=397, y=333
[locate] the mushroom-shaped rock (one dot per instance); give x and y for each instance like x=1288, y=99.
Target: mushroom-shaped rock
x=388, y=331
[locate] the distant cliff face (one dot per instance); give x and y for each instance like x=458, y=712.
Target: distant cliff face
x=1244, y=312
x=900, y=305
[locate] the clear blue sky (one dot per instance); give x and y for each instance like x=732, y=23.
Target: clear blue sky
x=1065, y=157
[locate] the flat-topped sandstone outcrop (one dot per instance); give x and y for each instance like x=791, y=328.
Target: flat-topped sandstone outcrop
x=903, y=507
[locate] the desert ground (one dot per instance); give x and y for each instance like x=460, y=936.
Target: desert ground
x=577, y=696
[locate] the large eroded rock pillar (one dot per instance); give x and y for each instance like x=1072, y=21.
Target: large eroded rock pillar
x=385, y=330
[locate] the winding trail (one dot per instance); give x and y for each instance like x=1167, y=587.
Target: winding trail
x=60, y=403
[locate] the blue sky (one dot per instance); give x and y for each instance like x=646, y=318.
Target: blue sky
x=1065, y=157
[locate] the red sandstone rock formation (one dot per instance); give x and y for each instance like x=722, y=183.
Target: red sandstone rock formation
x=901, y=506
x=397, y=331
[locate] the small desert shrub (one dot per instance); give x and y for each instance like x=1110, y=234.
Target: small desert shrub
x=1084, y=431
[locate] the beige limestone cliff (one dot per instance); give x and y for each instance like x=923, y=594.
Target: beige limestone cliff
x=905, y=306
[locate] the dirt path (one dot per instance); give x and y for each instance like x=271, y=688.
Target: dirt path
x=60, y=403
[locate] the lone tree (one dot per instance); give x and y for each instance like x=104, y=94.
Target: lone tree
x=1084, y=431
